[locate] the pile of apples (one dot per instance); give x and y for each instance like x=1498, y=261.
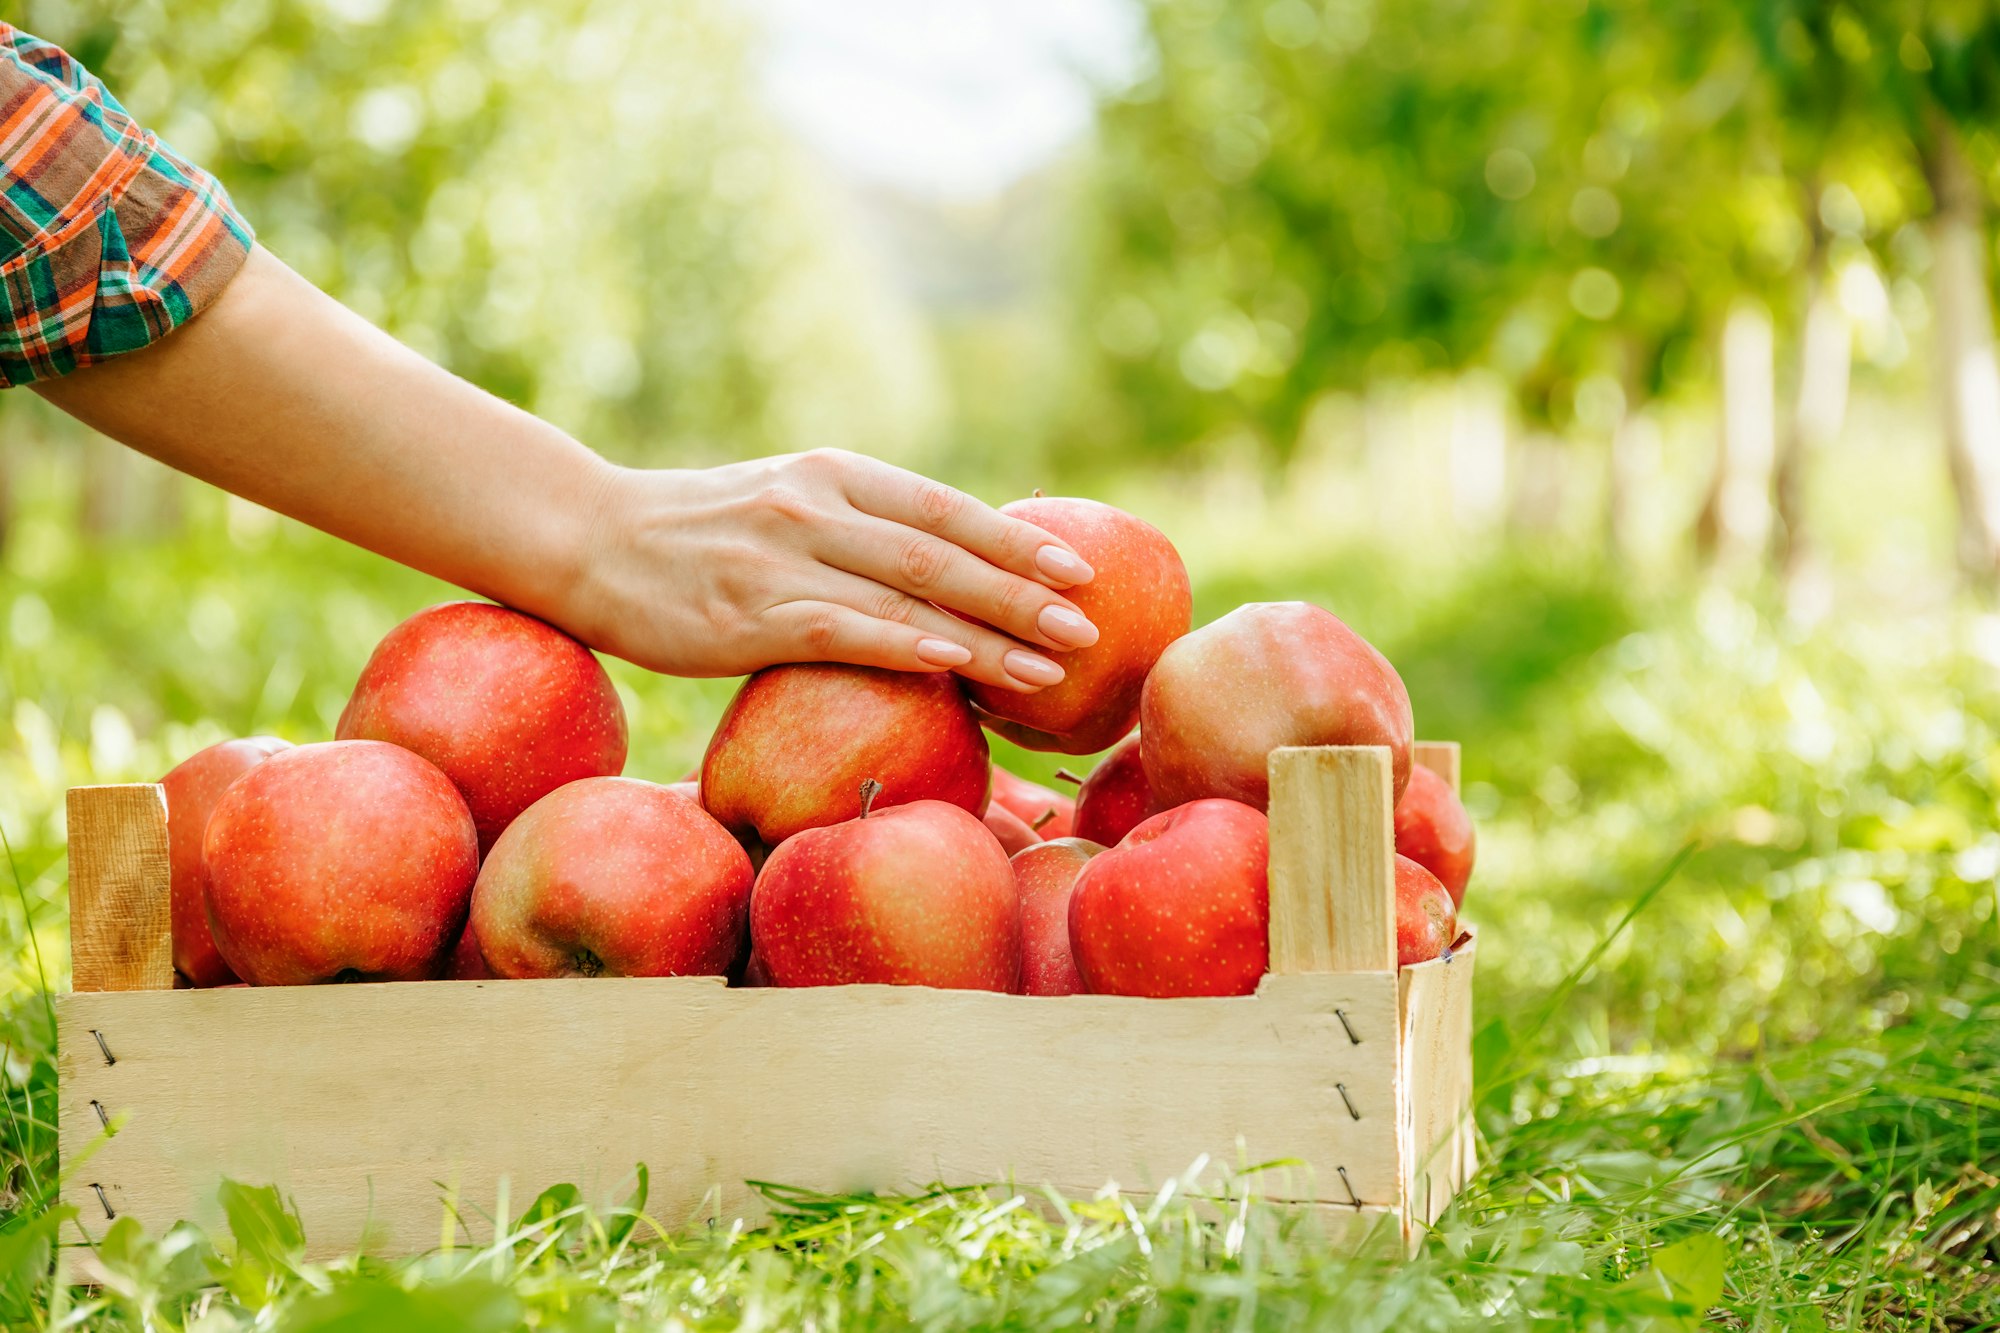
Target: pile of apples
x=846, y=825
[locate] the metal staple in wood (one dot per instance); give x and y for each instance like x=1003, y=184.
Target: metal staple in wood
x=1342, y=1087
x=108, y=1211
x=1340, y=1014
x=102, y=1118
x=1352, y=1197
x=109, y=1058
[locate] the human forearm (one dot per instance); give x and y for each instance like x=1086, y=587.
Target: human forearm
x=281, y=395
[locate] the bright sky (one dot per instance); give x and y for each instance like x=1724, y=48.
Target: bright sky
x=955, y=99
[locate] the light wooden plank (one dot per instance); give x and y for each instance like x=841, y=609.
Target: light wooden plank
x=366, y=1103
x=1333, y=902
x=1438, y=1140
x=120, y=928
x=1440, y=757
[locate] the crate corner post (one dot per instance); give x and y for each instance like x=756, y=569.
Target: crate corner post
x=1333, y=891
x=121, y=940
x=121, y=927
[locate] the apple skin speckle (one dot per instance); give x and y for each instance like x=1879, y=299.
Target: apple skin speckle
x=797, y=741
x=1266, y=675
x=192, y=788
x=612, y=877
x=1181, y=907
x=916, y=895
x=1140, y=602
x=509, y=707
x=343, y=858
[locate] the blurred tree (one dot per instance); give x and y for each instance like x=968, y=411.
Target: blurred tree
x=578, y=204
x=1605, y=201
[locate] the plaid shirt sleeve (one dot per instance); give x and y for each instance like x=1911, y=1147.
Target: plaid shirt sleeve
x=108, y=241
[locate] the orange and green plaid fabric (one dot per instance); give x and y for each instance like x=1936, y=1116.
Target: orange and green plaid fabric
x=108, y=241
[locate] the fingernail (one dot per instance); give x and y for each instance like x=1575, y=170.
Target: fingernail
x=1066, y=626
x=1061, y=565
x=1030, y=669
x=942, y=652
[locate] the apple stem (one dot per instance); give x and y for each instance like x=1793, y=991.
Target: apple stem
x=870, y=789
x=1064, y=775
x=1043, y=818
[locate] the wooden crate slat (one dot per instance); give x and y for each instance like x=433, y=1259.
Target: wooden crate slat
x=1440, y=757
x=366, y=1102
x=1438, y=1149
x=1333, y=906
x=120, y=928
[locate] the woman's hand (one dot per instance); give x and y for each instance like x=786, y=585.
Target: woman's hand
x=824, y=556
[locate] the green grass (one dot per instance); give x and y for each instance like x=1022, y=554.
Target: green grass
x=1770, y=1098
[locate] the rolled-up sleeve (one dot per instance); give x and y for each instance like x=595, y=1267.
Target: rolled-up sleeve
x=108, y=239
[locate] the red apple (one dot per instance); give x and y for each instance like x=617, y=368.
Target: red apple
x=916, y=895
x=1140, y=603
x=510, y=708
x=1007, y=828
x=193, y=788
x=344, y=861
x=1266, y=675
x=466, y=962
x=1115, y=798
x=1426, y=922
x=1048, y=812
x=1181, y=907
x=1045, y=874
x=796, y=742
x=1433, y=829
x=612, y=877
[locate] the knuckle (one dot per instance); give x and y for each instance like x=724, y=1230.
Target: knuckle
x=749, y=574
x=922, y=561
x=895, y=606
x=824, y=463
x=822, y=630
x=1012, y=601
x=1019, y=543
x=938, y=505
x=786, y=504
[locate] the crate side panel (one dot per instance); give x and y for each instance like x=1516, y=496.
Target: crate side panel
x=1438, y=1151
x=368, y=1103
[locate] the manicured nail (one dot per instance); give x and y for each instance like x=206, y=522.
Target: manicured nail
x=1030, y=669
x=1060, y=565
x=1066, y=627
x=942, y=652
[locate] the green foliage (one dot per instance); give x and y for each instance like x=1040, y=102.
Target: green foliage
x=577, y=204
x=1303, y=197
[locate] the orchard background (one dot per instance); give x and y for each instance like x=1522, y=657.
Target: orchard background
x=1622, y=368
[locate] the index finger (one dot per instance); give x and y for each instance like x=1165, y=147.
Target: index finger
x=1022, y=548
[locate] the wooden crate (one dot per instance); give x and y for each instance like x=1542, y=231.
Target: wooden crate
x=371, y=1106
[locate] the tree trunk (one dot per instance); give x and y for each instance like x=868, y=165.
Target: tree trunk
x=1968, y=380
x=1630, y=463
x=1478, y=452
x=1819, y=409
x=1535, y=471
x=106, y=481
x=1735, y=522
